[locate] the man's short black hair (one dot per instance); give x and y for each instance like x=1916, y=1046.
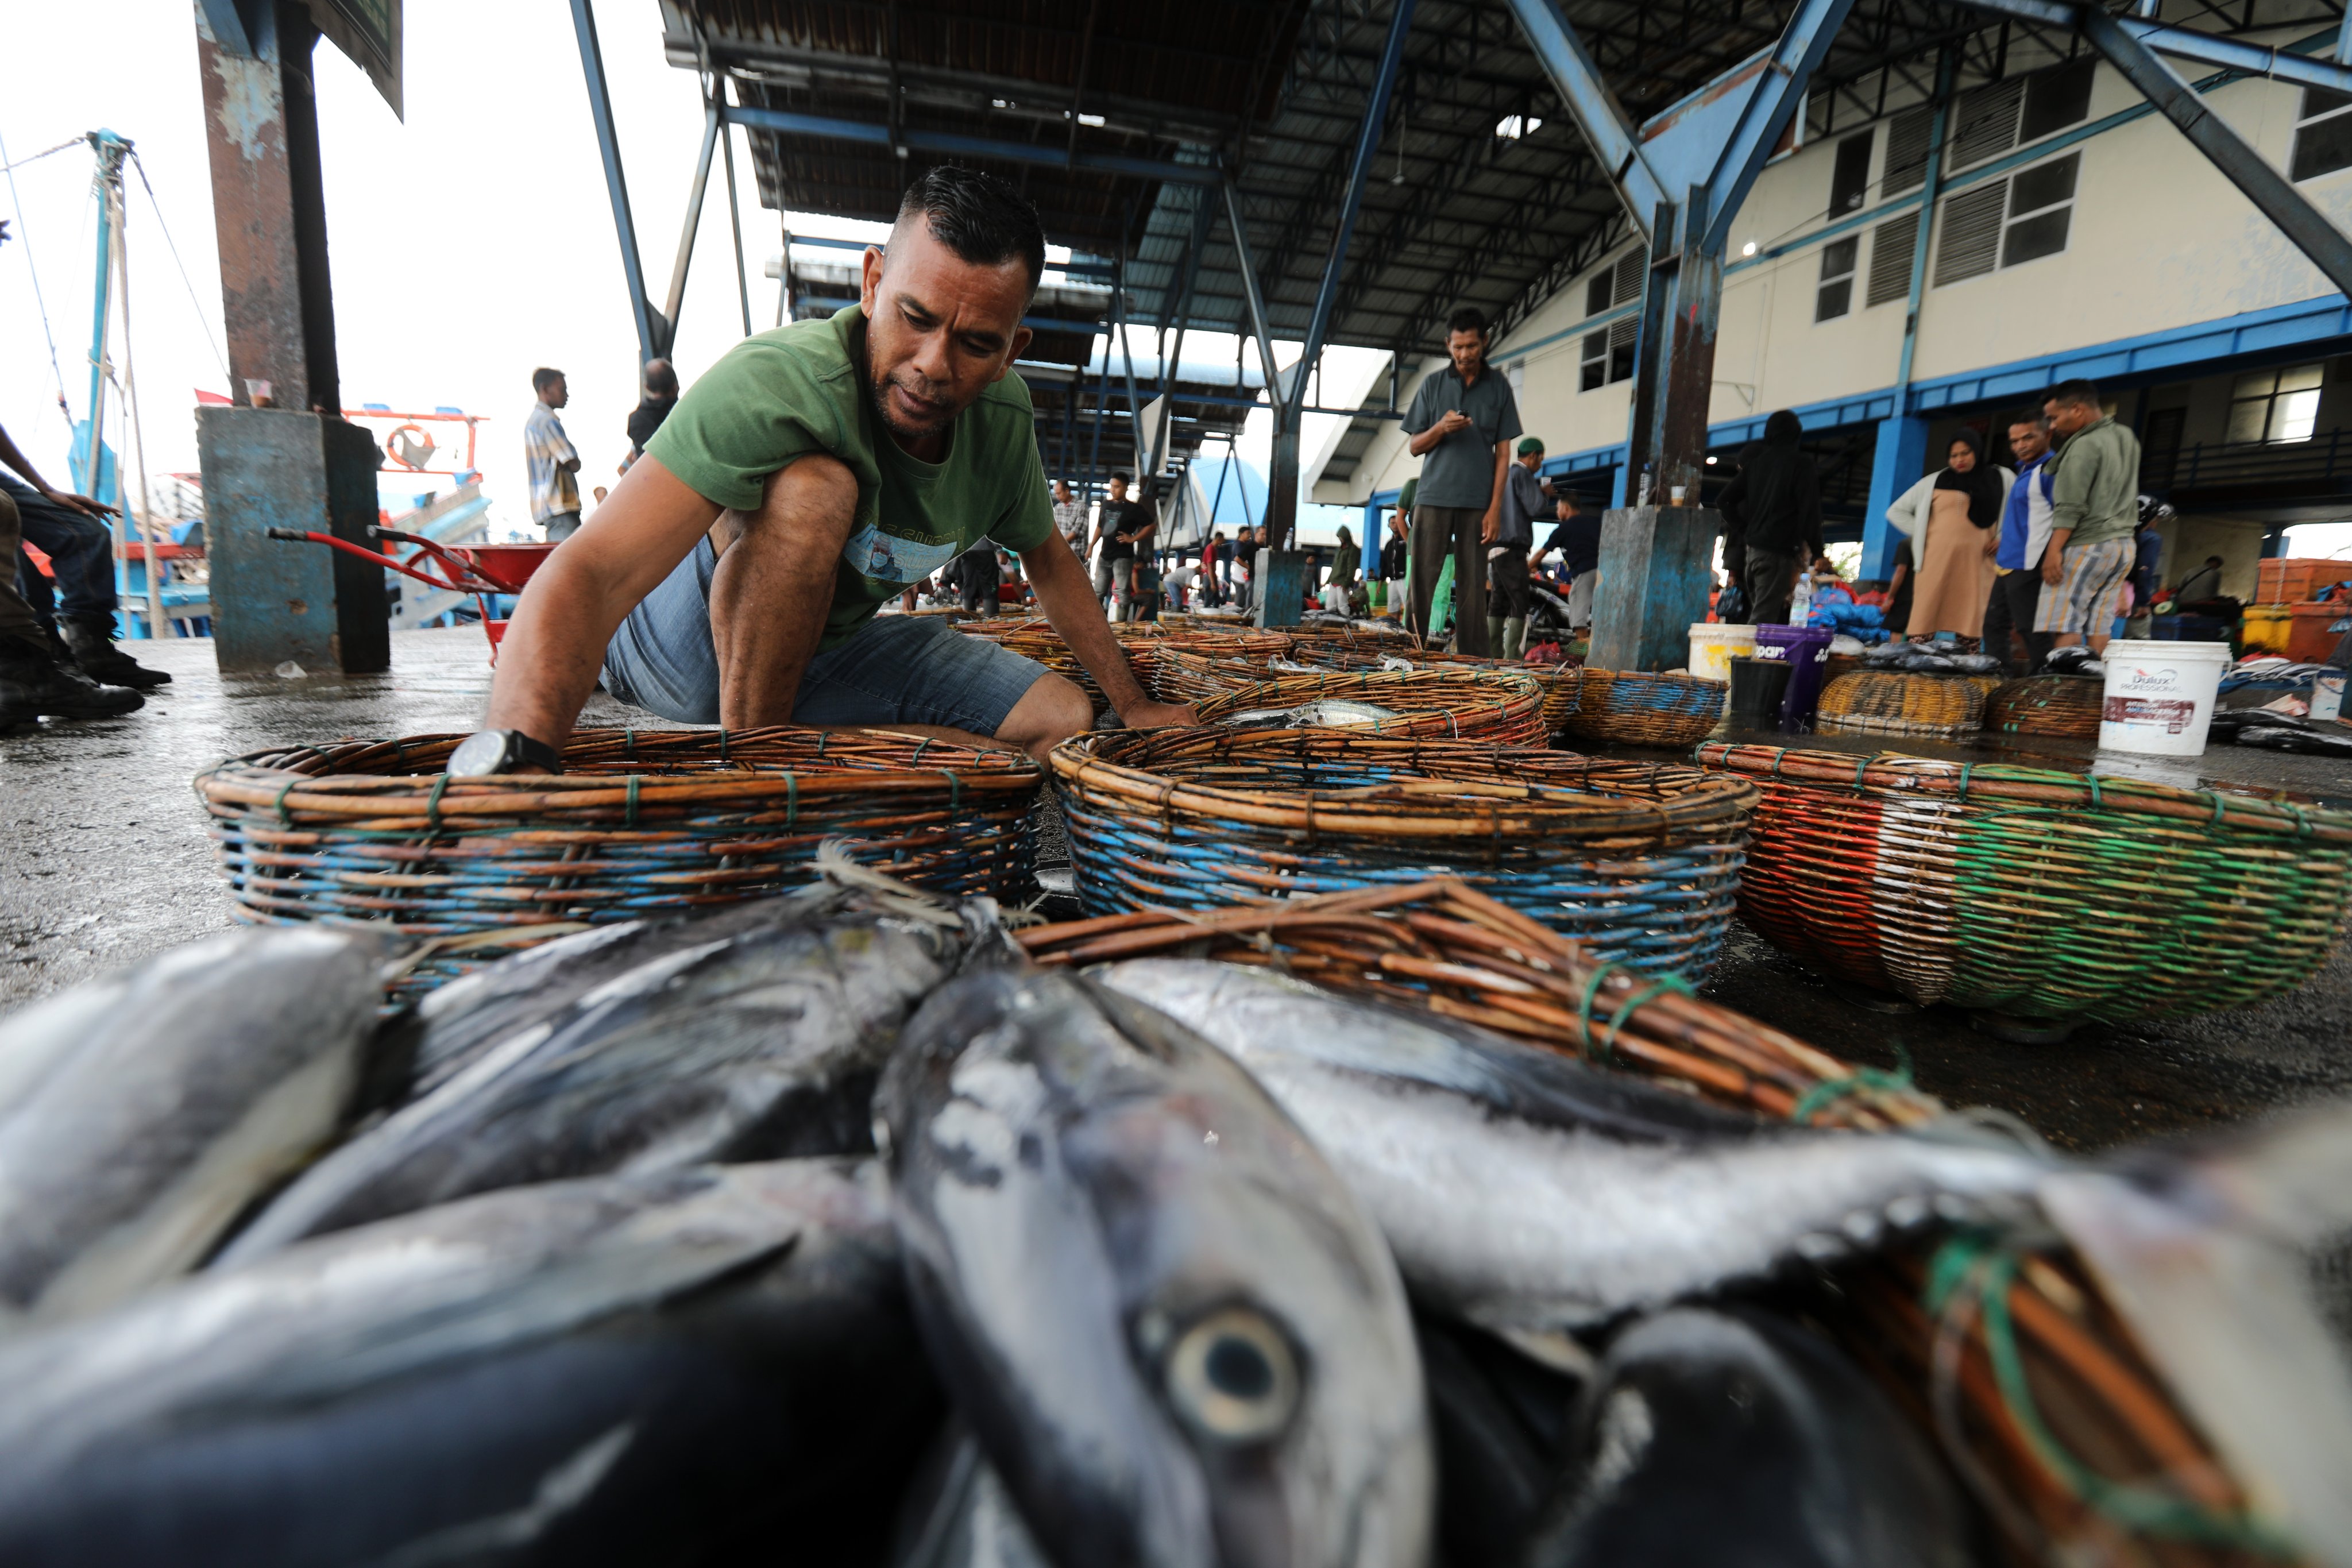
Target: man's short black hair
x=2084, y=392
x=1121, y=478
x=2033, y=416
x=542, y=378
x=978, y=217
x=1468, y=319
x=660, y=379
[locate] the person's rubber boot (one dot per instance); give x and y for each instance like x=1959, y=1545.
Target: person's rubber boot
x=32, y=686
x=92, y=646
x=1494, y=625
x=1514, y=638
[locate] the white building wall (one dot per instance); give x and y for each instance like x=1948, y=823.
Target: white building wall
x=2157, y=240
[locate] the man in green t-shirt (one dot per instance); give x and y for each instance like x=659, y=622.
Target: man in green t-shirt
x=812, y=474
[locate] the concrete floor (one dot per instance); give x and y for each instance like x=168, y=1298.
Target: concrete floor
x=108, y=861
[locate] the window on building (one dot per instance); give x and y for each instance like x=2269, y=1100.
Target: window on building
x=2322, y=134
x=1596, y=292
x=1835, y=295
x=1992, y=120
x=1850, y=180
x=2275, y=406
x=1593, y=369
x=1892, y=246
x=2055, y=99
x=2040, y=208
x=1607, y=355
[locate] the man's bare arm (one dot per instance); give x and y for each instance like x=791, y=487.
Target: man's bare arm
x=580, y=596
x=24, y=467
x=1492, y=528
x=1067, y=596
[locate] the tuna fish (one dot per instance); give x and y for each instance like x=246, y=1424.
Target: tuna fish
x=959, y=1515
x=1723, y=1436
x=1178, y=1340
x=1527, y=1192
x=758, y=1043
x=140, y=1115
x=702, y=1366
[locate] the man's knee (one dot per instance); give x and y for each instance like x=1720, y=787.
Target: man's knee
x=1054, y=709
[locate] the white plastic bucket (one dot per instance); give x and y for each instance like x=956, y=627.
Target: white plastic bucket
x=2159, y=696
x=1713, y=646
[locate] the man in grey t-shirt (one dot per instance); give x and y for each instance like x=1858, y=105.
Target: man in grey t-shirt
x=1461, y=425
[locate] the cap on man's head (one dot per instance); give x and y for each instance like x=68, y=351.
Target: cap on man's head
x=1530, y=447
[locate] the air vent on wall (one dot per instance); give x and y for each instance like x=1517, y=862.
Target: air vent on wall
x=1890, y=260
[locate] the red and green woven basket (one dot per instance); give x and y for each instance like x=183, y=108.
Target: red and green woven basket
x=2032, y=892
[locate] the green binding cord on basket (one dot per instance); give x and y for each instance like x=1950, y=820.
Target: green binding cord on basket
x=285, y=818
x=1607, y=1051
x=1979, y=1265
x=433, y=804
x=632, y=819
x=1830, y=1090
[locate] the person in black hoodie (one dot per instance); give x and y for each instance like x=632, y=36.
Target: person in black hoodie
x=1775, y=506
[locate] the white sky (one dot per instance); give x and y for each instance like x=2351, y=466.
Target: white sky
x=467, y=246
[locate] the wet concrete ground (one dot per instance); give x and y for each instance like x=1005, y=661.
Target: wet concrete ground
x=107, y=861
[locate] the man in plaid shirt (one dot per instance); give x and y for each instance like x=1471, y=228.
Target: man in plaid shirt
x=554, y=493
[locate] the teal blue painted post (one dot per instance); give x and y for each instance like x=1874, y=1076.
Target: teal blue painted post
x=1894, y=466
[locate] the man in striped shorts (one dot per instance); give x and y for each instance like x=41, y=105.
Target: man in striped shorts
x=2095, y=507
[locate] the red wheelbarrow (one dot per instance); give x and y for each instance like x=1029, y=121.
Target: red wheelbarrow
x=480, y=569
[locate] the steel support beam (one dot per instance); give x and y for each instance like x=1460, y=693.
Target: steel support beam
x=2189, y=44
x=735, y=224
x=2269, y=190
x=677, y=298
x=1779, y=95
x=1248, y=267
x=1594, y=107
x=616, y=185
x=957, y=144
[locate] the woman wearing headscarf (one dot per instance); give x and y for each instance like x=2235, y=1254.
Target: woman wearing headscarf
x=1963, y=530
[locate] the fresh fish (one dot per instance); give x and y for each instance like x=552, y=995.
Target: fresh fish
x=1730, y=1437
x=140, y=1114
x=1501, y=1425
x=2313, y=741
x=1527, y=1192
x=1178, y=1340
x=457, y=1023
x=703, y=1366
x=757, y=1044
x=1975, y=663
x=1325, y=714
x=1397, y=662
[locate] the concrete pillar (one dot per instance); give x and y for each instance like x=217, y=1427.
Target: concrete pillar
x=274, y=600
x=1277, y=588
x=1657, y=571
x=1894, y=466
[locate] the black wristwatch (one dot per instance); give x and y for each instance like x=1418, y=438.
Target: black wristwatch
x=489, y=752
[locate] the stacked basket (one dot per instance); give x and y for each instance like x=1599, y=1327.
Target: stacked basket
x=2067, y=705
x=1887, y=702
x=2035, y=893
x=638, y=822
x=1640, y=861
x=1442, y=704
x=1635, y=709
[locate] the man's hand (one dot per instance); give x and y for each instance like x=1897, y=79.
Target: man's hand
x=1450, y=421
x=2053, y=570
x=82, y=504
x=1158, y=716
x=1490, y=527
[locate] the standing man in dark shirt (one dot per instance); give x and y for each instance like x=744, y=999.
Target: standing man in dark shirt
x=659, y=397
x=1776, y=504
x=1577, y=537
x=1393, y=550
x=1126, y=533
x=1526, y=498
x=1461, y=425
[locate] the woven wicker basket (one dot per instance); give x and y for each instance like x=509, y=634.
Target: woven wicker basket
x=638, y=821
x=1180, y=674
x=1442, y=704
x=1144, y=643
x=2038, y=893
x=1639, y=710
x=1639, y=859
x=2065, y=705
x=1884, y=703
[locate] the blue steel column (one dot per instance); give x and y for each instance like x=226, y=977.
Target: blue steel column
x=624, y=228
x=1901, y=455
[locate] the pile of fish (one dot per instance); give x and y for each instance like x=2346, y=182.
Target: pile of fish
x=1925, y=659
x=823, y=1229
x=1323, y=713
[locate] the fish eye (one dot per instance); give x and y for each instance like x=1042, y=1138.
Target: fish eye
x=1234, y=1378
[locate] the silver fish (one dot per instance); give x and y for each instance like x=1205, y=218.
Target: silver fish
x=760, y=1044
x=1179, y=1341
x=1325, y=714
x=961, y=1516
x=1729, y=1436
x=680, y=1368
x=1528, y=1192
x=142, y=1113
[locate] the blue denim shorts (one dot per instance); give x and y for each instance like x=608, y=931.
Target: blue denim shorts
x=895, y=670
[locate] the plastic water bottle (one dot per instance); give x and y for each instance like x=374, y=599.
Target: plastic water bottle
x=1801, y=599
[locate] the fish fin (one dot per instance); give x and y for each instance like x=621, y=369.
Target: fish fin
x=836, y=864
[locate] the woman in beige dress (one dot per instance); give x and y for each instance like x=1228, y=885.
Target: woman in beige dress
x=1956, y=566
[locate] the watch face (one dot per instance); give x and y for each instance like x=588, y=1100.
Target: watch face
x=478, y=755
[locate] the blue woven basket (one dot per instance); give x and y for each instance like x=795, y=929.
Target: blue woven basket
x=1639, y=860
x=1636, y=708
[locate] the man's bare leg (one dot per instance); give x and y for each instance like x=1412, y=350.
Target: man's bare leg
x=1049, y=712
x=772, y=586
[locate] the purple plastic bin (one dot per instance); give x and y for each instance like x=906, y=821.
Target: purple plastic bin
x=1807, y=650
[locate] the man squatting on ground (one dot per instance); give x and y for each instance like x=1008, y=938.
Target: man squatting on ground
x=1461, y=425
x=812, y=474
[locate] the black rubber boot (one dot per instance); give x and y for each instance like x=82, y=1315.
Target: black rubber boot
x=93, y=648
x=33, y=685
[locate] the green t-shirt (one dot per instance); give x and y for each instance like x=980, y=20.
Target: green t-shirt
x=800, y=389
